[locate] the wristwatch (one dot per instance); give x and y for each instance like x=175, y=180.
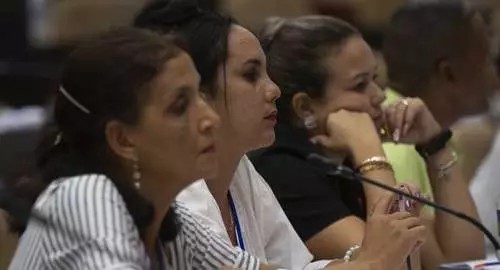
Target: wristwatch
x=434, y=145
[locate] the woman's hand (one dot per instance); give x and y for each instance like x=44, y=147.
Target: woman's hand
x=409, y=205
x=348, y=130
x=390, y=238
x=410, y=121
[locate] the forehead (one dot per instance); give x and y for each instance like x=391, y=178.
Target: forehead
x=178, y=72
x=243, y=45
x=354, y=56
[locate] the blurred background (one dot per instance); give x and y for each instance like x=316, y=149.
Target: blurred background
x=37, y=34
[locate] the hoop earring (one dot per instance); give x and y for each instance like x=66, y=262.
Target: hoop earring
x=310, y=121
x=136, y=175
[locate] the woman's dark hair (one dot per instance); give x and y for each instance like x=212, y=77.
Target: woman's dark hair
x=205, y=33
x=108, y=78
x=296, y=50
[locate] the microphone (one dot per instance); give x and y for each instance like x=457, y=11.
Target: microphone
x=346, y=172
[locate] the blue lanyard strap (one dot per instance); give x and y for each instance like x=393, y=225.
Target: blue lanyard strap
x=234, y=214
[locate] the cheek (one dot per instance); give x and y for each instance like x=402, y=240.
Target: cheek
x=168, y=146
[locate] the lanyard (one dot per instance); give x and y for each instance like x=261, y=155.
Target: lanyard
x=234, y=214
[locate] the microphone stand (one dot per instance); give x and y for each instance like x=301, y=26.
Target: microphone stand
x=346, y=172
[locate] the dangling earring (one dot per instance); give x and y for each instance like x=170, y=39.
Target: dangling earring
x=310, y=121
x=136, y=175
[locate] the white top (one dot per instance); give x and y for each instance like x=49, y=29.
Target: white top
x=267, y=232
x=90, y=228
x=485, y=189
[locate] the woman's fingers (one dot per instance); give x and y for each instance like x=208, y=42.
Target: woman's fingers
x=400, y=118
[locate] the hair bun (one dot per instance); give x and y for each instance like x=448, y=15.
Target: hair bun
x=272, y=26
x=168, y=12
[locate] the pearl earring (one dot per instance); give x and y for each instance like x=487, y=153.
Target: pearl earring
x=136, y=175
x=310, y=121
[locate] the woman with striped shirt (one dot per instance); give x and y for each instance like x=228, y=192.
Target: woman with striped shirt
x=129, y=132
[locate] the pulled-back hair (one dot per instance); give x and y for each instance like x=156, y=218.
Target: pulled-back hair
x=107, y=78
x=296, y=50
x=205, y=33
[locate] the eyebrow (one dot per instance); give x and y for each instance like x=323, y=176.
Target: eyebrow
x=183, y=89
x=364, y=74
x=253, y=61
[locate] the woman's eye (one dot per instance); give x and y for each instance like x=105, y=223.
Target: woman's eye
x=251, y=75
x=180, y=105
x=360, y=87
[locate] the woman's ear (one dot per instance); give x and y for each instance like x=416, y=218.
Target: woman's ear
x=302, y=105
x=446, y=71
x=120, y=140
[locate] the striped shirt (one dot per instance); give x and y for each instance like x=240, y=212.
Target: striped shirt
x=91, y=228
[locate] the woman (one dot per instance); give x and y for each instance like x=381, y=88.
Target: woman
x=130, y=131
x=331, y=105
x=237, y=203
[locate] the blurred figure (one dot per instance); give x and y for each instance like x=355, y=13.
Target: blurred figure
x=21, y=118
x=440, y=51
x=484, y=186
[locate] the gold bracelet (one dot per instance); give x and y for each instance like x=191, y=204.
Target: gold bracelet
x=374, y=163
x=375, y=167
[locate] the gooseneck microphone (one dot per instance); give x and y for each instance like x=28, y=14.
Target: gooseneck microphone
x=336, y=169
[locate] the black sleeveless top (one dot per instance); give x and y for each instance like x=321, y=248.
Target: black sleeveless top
x=311, y=198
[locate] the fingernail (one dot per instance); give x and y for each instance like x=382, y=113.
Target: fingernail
x=408, y=205
x=396, y=135
x=406, y=128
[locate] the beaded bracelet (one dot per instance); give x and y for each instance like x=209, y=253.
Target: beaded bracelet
x=445, y=169
x=350, y=252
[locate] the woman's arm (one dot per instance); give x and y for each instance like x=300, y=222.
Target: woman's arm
x=473, y=140
x=452, y=239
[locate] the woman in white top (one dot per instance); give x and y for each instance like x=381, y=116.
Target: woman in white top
x=129, y=132
x=238, y=204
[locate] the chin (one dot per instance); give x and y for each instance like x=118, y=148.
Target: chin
x=265, y=141
x=207, y=169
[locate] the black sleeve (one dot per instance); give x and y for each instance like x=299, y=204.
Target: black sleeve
x=310, y=198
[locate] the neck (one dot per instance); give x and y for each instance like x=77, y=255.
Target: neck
x=162, y=199
x=228, y=159
x=441, y=108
